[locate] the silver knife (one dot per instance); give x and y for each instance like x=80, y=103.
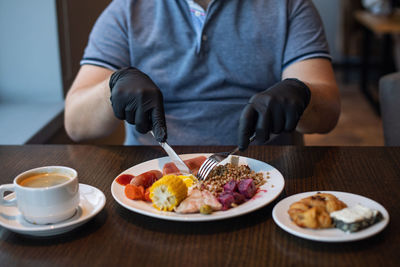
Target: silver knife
x=182, y=167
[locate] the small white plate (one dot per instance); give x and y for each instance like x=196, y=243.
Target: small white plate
x=92, y=201
x=282, y=219
x=267, y=193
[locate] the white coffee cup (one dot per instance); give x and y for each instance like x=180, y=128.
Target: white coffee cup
x=42, y=201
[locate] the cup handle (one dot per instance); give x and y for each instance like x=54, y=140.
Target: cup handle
x=5, y=202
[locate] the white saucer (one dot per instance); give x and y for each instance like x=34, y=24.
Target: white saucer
x=92, y=201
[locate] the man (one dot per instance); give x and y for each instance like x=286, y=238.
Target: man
x=212, y=73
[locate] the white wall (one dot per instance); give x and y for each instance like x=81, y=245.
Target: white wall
x=31, y=92
x=29, y=55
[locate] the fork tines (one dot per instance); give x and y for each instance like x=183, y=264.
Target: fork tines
x=206, y=168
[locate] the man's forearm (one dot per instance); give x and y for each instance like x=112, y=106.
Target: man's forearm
x=88, y=112
x=322, y=113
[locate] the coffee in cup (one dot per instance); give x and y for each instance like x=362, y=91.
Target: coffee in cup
x=38, y=180
x=44, y=195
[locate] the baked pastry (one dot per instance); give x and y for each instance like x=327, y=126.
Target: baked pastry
x=314, y=211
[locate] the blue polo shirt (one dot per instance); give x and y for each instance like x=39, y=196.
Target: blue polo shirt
x=207, y=63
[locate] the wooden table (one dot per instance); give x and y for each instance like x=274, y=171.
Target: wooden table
x=379, y=24
x=119, y=237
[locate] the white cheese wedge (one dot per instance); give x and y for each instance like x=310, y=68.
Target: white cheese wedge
x=354, y=214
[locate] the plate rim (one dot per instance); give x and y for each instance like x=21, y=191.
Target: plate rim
x=380, y=226
x=191, y=217
x=61, y=227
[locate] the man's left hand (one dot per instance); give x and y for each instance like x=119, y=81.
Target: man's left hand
x=275, y=110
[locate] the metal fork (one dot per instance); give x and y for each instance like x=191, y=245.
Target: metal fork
x=213, y=161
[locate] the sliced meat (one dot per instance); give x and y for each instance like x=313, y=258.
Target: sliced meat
x=194, y=164
x=196, y=199
x=211, y=200
x=170, y=168
x=146, y=179
x=192, y=203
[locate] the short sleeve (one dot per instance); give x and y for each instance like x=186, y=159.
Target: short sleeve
x=108, y=44
x=306, y=36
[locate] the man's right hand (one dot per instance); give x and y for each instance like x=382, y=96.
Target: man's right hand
x=136, y=99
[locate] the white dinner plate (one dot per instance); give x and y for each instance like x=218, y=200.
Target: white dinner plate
x=92, y=201
x=267, y=193
x=282, y=218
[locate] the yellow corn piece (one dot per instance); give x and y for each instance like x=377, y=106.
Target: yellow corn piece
x=168, y=192
x=189, y=180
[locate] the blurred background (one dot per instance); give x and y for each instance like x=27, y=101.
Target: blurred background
x=42, y=42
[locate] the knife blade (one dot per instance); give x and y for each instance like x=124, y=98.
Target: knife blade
x=182, y=167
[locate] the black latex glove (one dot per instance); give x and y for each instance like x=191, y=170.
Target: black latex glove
x=275, y=110
x=136, y=99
